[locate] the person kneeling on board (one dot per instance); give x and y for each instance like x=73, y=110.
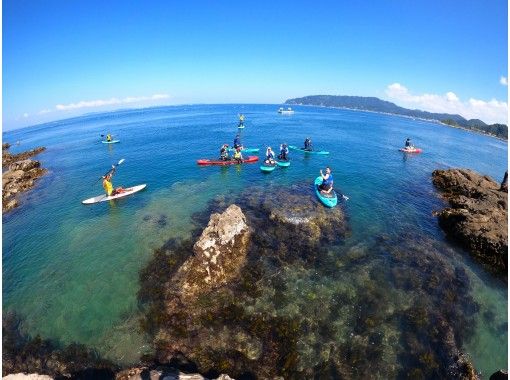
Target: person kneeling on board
x=284, y=152
x=327, y=182
x=224, y=153
x=269, y=156
x=308, y=144
x=238, y=156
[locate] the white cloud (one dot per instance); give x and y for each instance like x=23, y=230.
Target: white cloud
x=109, y=102
x=503, y=81
x=25, y=115
x=45, y=111
x=492, y=111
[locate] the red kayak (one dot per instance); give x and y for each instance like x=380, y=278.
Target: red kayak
x=412, y=150
x=248, y=160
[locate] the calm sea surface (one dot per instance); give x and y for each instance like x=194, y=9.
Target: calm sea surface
x=72, y=270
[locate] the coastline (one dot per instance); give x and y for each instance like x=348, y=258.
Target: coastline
x=434, y=121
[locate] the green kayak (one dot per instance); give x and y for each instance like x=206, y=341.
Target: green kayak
x=293, y=147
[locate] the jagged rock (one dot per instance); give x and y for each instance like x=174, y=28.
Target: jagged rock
x=504, y=183
x=24, y=165
x=20, y=176
x=499, y=375
x=478, y=216
x=8, y=158
x=219, y=253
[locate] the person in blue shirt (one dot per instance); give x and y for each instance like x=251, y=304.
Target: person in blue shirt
x=237, y=142
x=327, y=182
x=284, y=152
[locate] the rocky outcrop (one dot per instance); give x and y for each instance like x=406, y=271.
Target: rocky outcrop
x=20, y=176
x=7, y=157
x=478, y=216
x=219, y=254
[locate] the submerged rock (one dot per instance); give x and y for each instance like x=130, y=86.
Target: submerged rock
x=478, y=216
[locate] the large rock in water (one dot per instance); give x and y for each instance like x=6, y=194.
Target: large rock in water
x=478, y=216
x=219, y=254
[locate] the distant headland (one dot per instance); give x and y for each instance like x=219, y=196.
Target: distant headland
x=377, y=105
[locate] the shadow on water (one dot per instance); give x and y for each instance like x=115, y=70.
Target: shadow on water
x=307, y=304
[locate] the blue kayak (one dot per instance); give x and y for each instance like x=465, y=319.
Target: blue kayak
x=328, y=200
x=110, y=142
x=283, y=163
x=267, y=167
x=293, y=147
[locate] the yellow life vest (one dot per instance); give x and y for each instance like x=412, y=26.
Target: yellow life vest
x=108, y=187
x=237, y=154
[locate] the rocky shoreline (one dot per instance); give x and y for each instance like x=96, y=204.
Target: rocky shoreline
x=258, y=292
x=477, y=218
x=20, y=176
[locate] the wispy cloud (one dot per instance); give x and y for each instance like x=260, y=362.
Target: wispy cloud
x=25, y=115
x=43, y=112
x=492, y=111
x=109, y=102
x=503, y=81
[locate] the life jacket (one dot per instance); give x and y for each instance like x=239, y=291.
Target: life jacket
x=237, y=154
x=108, y=137
x=108, y=187
x=328, y=182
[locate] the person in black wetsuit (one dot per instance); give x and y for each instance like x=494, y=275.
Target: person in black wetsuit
x=308, y=144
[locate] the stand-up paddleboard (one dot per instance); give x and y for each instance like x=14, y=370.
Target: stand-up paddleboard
x=283, y=163
x=410, y=150
x=293, y=147
x=328, y=200
x=248, y=160
x=110, y=142
x=267, y=167
x=104, y=197
x=245, y=150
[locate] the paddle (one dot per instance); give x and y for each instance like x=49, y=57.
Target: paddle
x=111, y=170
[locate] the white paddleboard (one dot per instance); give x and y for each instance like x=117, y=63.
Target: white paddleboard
x=110, y=142
x=104, y=197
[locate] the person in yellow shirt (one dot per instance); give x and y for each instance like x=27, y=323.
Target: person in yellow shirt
x=108, y=185
x=241, y=120
x=238, y=156
x=108, y=137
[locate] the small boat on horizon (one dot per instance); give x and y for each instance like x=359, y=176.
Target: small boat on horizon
x=288, y=111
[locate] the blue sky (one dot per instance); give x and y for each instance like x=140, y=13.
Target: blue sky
x=63, y=58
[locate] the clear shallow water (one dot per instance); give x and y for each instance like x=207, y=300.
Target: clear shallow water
x=72, y=270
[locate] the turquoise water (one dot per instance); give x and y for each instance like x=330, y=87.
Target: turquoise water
x=72, y=270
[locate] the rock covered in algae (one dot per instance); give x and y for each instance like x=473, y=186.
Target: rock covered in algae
x=478, y=216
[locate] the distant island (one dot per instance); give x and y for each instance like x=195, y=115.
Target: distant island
x=377, y=105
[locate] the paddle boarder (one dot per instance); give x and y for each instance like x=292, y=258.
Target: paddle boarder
x=284, y=152
x=224, y=153
x=238, y=156
x=108, y=137
x=308, y=144
x=108, y=185
x=237, y=142
x=327, y=181
x=241, y=121
x=269, y=156
x=409, y=144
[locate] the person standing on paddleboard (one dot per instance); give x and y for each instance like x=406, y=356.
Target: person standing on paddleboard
x=409, y=144
x=327, y=182
x=237, y=142
x=108, y=137
x=241, y=121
